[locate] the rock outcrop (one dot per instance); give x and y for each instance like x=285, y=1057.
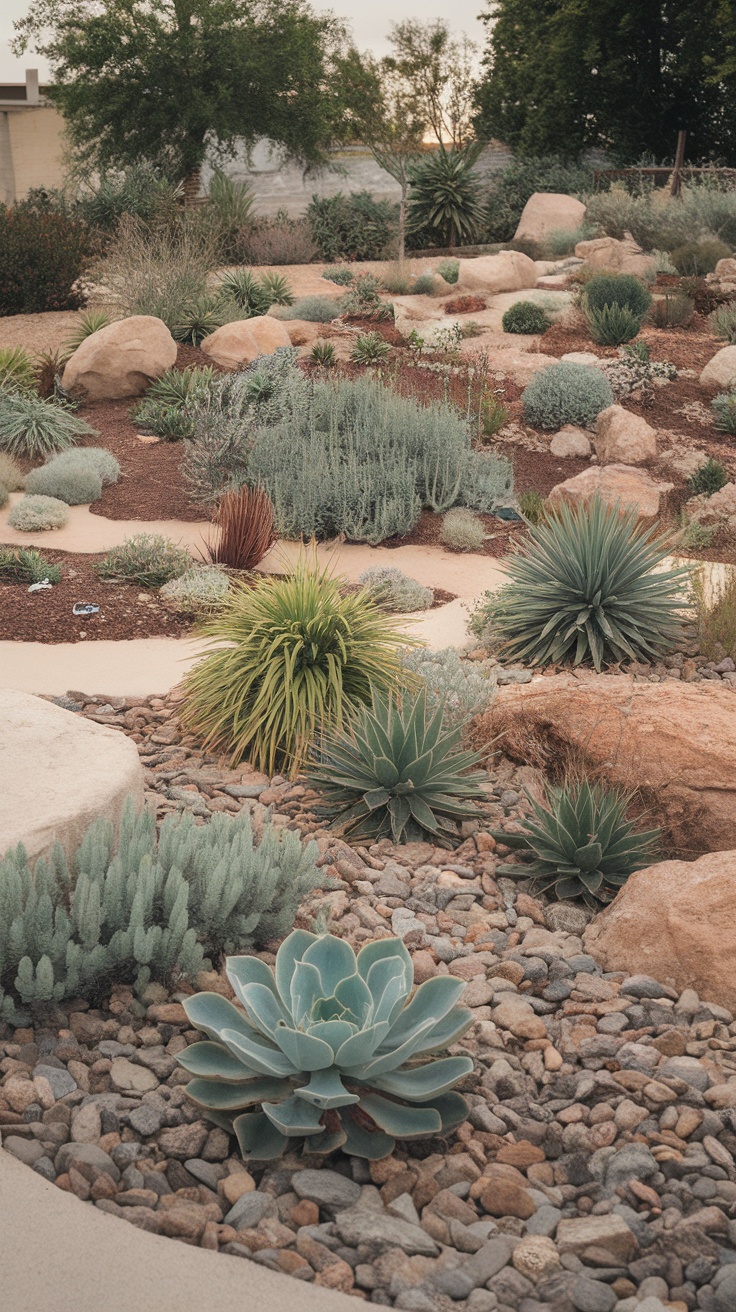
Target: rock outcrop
x=623, y=438
x=509, y=271
x=615, y=484
x=120, y=360
x=720, y=372
x=241, y=342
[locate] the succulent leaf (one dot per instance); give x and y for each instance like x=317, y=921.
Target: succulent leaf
x=258, y=1138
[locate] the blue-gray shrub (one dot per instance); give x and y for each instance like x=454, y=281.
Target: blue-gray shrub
x=566, y=393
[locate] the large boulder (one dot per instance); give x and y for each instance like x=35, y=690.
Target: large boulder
x=509, y=271
x=674, y=741
x=675, y=922
x=240, y=343
x=63, y=772
x=546, y=212
x=615, y=483
x=121, y=359
x=720, y=372
x=609, y=255
x=623, y=438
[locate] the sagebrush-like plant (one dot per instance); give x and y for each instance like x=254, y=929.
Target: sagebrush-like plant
x=724, y=409
x=525, y=317
x=17, y=371
x=339, y=273
x=394, y=590
x=612, y=325
x=462, y=530
x=363, y=298
x=395, y=771
x=37, y=514
x=11, y=474
x=459, y=688
x=566, y=393
x=289, y=657
x=696, y=258
x=35, y=428
x=312, y=309
x=449, y=270
x=586, y=587
x=147, y=559
x=424, y=285
x=581, y=843
x=76, y=484
x=710, y=478
x=723, y=322
x=246, y=529
x=26, y=565
x=328, y=1046
x=201, y=591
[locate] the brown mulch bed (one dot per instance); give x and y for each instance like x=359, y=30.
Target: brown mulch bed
x=126, y=610
x=427, y=533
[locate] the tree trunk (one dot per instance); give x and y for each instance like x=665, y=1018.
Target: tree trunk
x=192, y=184
x=402, y=222
x=451, y=244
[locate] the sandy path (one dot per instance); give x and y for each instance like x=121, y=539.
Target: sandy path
x=85, y=532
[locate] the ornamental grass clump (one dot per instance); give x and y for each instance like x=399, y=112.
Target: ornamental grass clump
x=586, y=587
x=724, y=410
x=18, y=373
x=26, y=565
x=566, y=393
x=581, y=844
x=612, y=325
x=394, y=590
x=245, y=529
x=35, y=428
x=396, y=771
x=147, y=559
x=329, y=1046
x=290, y=657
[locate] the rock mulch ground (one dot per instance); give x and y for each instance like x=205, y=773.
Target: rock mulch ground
x=595, y=1173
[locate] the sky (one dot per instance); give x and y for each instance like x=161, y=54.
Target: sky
x=370, y=21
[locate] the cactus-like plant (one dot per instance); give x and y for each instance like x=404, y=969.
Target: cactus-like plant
x=328, y=1047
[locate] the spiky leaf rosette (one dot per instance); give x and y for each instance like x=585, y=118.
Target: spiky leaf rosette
x=582, y=844
x=397, y=771
x=585, y=587
x=329, y=1046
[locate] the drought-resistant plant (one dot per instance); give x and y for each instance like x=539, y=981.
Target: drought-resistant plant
x=289, y=657
x=562, y=241
x=694, y=536
x=37, y=514
x=276, y=286
x=228, y=212
x=694, y=259
x=44, y=251
x=363, y=298
x=617, y=289
x=396, y=771
x=74, y=482
x=200, y=591
x=313, y=309
x=710, y=478
x=278, y=239
x=396, y=279
x=32, y=427
x=634, y=371
x=199, y=318
x=586, y=587
x=672, y=310
x=369, y=349
x=323, y=354
x=355, y=227
x=328, y=1046
x=4, y=495
x=566, y=393
x=339, y=273
x=462, y=530
x=394, y=590
x=716, y=617
x=11, y=474
x=460, y=688
x=154, y=910
x=98, y=458
x=17, y=371
x=246, y=530
x=445, y=203
x=612, y=325
x=494, y=415
x=449, y=270
x=147, y=559
x=525, y=317
x=723, y=322
x=140, y=191
x=581, y=843
x=166, y=408
x=248, y=292
x=531, y=506
x=26, y=565
x=724, y=409
x=424, y=285
x=90, y=322
x=159, y=270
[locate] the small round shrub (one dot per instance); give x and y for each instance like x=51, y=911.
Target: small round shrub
x=449, y=270
x=724, y=409
x=696, y=258
x=525, y=317
x=566, y=393
x=424, y=285
x=201, y=591
x=74, y=482
x=4, y=494
x=617, y=289
x=11, y=474
x=340, y=274
x=394, y=590
x=710, y=478
x=313, y=309
x=148, y=559
x=462, y=530
x=36, y=514
x=94, y=457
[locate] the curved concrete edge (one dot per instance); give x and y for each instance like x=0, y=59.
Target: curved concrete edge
x=58, y=1253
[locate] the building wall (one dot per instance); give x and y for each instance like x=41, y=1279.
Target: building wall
x=37, y=147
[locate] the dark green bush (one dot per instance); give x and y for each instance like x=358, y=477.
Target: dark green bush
x=612, y=325
x=710, y=478
x=525, y=317
x=617, y=289
x=696, y=258
x=42, y=254
x=354, y=227
x=140, y=191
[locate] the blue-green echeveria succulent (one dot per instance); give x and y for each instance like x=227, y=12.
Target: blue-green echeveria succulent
x=329, y=1045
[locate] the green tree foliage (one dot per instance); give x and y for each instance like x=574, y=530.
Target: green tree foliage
x=623, y=75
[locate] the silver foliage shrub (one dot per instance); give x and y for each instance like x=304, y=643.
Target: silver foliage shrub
x=394, y=590
x=466, y=688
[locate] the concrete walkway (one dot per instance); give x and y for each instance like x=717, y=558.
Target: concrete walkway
x=61, y=1255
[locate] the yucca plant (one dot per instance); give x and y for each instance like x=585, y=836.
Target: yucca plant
x=586, y=587
x=246, y=290
x=90, y=322
x=32, y=427
x=276, y=287
x=17, y=371
x=202, y=317
x=328, y=1045
x=369, y=349
x=612, y=325
x=445, y=195
x=290, y=656
x=582, y=844
x=246, y=529
x=323, y=354
x=396, y=771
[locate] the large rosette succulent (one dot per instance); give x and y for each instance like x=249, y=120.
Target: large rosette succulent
x=329, y=1044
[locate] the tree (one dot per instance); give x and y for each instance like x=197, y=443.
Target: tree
x=440, y=71
x=167, y=81
x=624, y=75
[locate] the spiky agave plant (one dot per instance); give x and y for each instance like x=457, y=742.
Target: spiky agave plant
x=581, y=842
x=586, y=586
x=397, y=771
x=328, y=1046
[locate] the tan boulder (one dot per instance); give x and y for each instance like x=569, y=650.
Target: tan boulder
x=720, y=372
x=570, y=443
x=302, y=332
x=675, y=742
x=623, y=438
x=718, y=509
x=241, y=342
x=546, y=212
x=270, y=333
x=582, y=357
x=608, y=254
x=120, y=359
x=616, y=483
x=509, y=271
x=519, y=365
x=675, y=921
x=724, y=272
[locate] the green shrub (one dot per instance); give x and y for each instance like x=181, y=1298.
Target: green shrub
x=313, y=309
x=153, y=911
x=227, y=213
x=255, y=296
x=710, y=478
x=612, y=325
x=308, y=1053
x=166, y=408
x=562, y=241
x=494, y=415
x=323, y=354
x=44, y=252
x=11, y=474
x=525, y=317
x=444, y=201
x=723, y=322
x=199, y=318
x=461, y=688
x=694, y=259
x=147, y=559
x=363, y=298
x=617, y=289
x=449, y=270
x=581, y=843
x=724, y=409
x=566, y=393
x=661, y=262
x=26, y=565
x=199, y=591
x=140, y=192
x=462, y=530
x=17, y=371
x=532, y=507
x=392, y=589
x=339, y=273
x=354, y=227
x=511, y=187
x=32, y=427
x=369, y=349
x=73, y=482
x=694, y=536
x=89, y=323
x=424, y=285
x=585, y=587
x=396, y=772
x=672, y=310
x=37, y=514
x=290, y=657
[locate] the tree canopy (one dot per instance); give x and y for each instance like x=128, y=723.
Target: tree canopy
x=624, y=75
x=166, y=81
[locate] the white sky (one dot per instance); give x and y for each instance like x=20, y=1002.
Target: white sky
x=370, y=21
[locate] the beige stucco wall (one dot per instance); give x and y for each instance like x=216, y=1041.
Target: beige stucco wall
x=36, y=148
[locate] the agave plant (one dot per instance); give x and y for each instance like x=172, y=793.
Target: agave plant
x=396, y=771
x=445, y=194
x=327, y=1044
x=586, y=586
x=582, y=844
